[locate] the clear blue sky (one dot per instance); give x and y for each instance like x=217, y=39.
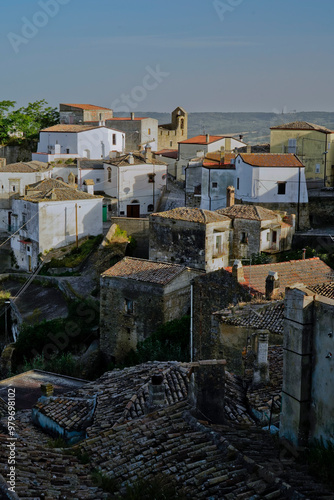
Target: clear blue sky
x=220, y=55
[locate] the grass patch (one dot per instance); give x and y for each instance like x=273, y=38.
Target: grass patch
x=58, y=442
x=77, y=255
x=320, y=459
x=106, y=483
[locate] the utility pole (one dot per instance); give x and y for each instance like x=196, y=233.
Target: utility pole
x=76, y=225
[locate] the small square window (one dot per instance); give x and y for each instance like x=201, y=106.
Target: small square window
x=214, y=184
x=281, y=187
x=244, y=238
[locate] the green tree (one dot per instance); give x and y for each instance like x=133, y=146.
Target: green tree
x=5, y=124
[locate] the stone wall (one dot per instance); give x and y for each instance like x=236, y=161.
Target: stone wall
x=321, y=208
x=14, y=154
x=139, y=230
x=308, y=372
x=244, y=248
x=212, y=292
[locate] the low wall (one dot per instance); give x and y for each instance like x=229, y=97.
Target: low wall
x=139, y=230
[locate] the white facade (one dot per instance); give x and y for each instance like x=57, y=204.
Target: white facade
x=270, y=184
x=50, y=225
x=92, y=143
x=140, y=185
x=12, y=185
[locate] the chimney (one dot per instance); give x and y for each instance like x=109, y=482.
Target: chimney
x=238, y=271
x=222, y=153
x=261, y=367
x=241, y=137
x=148, y=153
x=207, y=389
x=249, y=148
x=3, y=162
x=272, y=285
x=230, y=196
x=102, y=123
x=228, y=142
x=207, y=138
x=156, y=390
x=47, y=390
x=131, y=159
x=304, y=253
x=132, y=116
x=89, y=183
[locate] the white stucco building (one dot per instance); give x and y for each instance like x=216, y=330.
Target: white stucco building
x=200, y=146
x=14, y=177
x=207, y=179
x=275, y=181
x=51, y=215
x=78, y=141
x=136, y=181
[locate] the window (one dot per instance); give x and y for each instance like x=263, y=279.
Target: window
x=67, y=151
x=292, y=146
x=244, y=238
x=198, y=189
x=114, y=139
x=317, y=168
x=182, y=124
x=24, y=218
x=129, y=306
x=109, y=174
x=170, y=143
x=151, y=177
x=238, y=183
x=28, y=249
x=219, y=244
x=149, y=131
x=150, y=208
x=214, y=185
x=97, y=179
x=281, y=187
x=13, y=189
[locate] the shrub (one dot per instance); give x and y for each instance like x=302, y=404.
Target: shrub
x=320, y=458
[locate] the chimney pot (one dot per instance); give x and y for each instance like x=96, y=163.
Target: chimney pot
x=132, y=116
x=272, y=285
x=249, y=148
x=230, y=196
x=148, y=153
x=238, y=271
x=156, y=392
x=207, y=138
x=304, y=253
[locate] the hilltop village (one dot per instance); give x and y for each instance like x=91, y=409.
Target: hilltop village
x=167, y=311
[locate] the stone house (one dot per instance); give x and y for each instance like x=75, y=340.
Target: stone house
x=78, y=141
x=257, y=229
x=308, y=372
x=169, y=156
x=52, y=214
x=274, y=181
x=14, y=178
x=207, y=179
x=313, y=144
x=190, y=236
x=136, y=182
x=170, y=134
x=137, y=295
x=200, y=145
x=139, y=131
x=82, y=113
x=217, y=290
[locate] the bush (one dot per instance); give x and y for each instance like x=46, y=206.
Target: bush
x=320, y=459
x=169, y=343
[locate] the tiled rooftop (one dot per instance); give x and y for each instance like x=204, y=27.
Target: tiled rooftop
x=137, y=158
x=69, y=128
x=202, y=139
x=324, y=289
x=271, y=160
x=192, y=215
x=309, y=272
x=144, y=270
x=87, y=107
x=54, y=190
x=248, y=212
x=302, y=126
x=261, y=316
x=25, y=167
x=70, y=413
x=217, y=160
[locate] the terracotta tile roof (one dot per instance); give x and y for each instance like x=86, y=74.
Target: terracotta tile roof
x=54, y=190
x=144, y=270
x=126, y=118
x=323, y=289
x=68, y=129
x=302, y=126
x=169, y=153
x=216, y=160
x=138, y=159
x=202, y=139
x=309, y=272
x=72, y=414
x=250, y=212
x=86, y=106
x=25, y=167
x=192, y=215
x=260, y=316
x=271, y=159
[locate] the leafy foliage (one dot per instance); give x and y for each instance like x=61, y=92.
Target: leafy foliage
x=320, y=458
x=169, y=343
x=260, y=258
x=27, y=120
x=77, y=255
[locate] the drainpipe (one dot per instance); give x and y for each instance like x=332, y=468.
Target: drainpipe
x=209, y=190
x=191, y=321
x=298, y=206
x=185, y=185
x=325, y=153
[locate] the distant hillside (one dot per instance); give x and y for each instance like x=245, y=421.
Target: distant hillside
x=255, y=127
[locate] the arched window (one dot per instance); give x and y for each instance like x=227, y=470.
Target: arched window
x=150, y=208
x=109, y=174
x=182, y=124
